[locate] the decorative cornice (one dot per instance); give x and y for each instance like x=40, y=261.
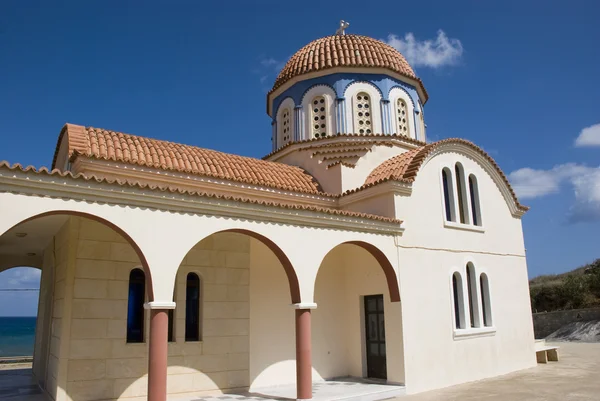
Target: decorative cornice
x=44, y=183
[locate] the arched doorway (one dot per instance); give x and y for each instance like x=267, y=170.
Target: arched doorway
x=357, y=288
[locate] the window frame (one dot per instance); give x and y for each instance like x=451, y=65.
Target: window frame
x=136, y=335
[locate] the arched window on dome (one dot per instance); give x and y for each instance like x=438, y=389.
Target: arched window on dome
x=319, y=117
x=402, y=118
x=363, y=114
x=285, y=127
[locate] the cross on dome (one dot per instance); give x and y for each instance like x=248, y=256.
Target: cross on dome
x=342, y=29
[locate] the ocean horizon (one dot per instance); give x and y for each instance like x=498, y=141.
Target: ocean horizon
x=17, y=335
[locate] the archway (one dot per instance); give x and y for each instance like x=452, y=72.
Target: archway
x=85, y=262
x=232, y=293
x=357, y=288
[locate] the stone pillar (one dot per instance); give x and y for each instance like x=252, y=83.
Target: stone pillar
x=158, y=350
x=303, y=351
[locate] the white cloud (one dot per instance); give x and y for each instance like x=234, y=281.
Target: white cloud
x=22, y=277
x=433, y=53
x=589, y=136
x=585, y=181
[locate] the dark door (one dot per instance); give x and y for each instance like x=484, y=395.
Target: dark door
x=375, y=337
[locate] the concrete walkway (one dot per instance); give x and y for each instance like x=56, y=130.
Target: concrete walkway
x=576, y=377
x=16, y=384
x=341, y=389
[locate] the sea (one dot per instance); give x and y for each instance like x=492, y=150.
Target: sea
x=17, y=336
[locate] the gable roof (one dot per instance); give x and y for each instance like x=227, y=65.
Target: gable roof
x=406, y=166
x=114, y=146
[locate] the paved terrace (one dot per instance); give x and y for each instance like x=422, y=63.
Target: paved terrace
x=575, y=378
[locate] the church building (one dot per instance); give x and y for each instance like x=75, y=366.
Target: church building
x=355, y=248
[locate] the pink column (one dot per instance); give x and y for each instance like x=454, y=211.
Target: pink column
x=157, y=357
x=303, y=355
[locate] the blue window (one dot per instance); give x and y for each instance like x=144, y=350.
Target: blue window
x=192, y=308
x=135, y=306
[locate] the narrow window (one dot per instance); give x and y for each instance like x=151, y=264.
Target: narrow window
x=135, y=306
x=192, y=308
x=402, y=117
x=485, y=300
x=474, y=190
x=457, y=295
x=448, y=196
x=461, y=193
x=472, y=295
x=285, y=126
x=319, y=117
x=362, y=113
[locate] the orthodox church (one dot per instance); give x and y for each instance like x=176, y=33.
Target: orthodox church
x=355, y=248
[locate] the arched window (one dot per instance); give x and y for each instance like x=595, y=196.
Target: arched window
x=285, y=126
x=192, y=308
x=475, y=209
x=402, y=118
x=135, y=306
x=362, y=113
x=448, y=194
x=457, y=297
x=319, y=117
x=171, y=335
x=485, y=300
x=461, y=192
x=472, y=295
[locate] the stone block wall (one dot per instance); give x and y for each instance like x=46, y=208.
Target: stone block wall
x=546, y=323
x=103, y=366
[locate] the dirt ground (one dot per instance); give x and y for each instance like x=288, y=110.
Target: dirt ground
x=575, y=377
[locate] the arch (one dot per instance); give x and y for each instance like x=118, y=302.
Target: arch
x=396, y=95
x=386, y=266
x=130, y=241
x=285, y=122
x=277, y=251
x=474, y=197
x=135, y=306
x=375, y=96
x=448, y=195
x=458, y=301
x=328, y=106
x=461, y=194
x=472, y=296
x=193, y=307
x=486, y=302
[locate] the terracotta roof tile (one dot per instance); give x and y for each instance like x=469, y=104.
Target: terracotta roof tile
x=124, y=148
x=134, y=184
x=345, y=51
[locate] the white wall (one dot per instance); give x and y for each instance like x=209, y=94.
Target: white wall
x=429, y=253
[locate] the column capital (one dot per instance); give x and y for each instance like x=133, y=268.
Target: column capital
x=305, y=305
x=159, y=305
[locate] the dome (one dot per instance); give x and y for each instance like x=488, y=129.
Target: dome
x=344, y=51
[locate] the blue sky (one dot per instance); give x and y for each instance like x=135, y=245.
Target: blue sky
x=517, y=78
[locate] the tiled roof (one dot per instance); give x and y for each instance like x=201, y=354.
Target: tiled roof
x=394, y=169
x=345, y=51
x=405, y=166
x=124, y=148
x=134, y=184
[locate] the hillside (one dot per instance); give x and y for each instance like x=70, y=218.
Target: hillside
x=579, y=288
